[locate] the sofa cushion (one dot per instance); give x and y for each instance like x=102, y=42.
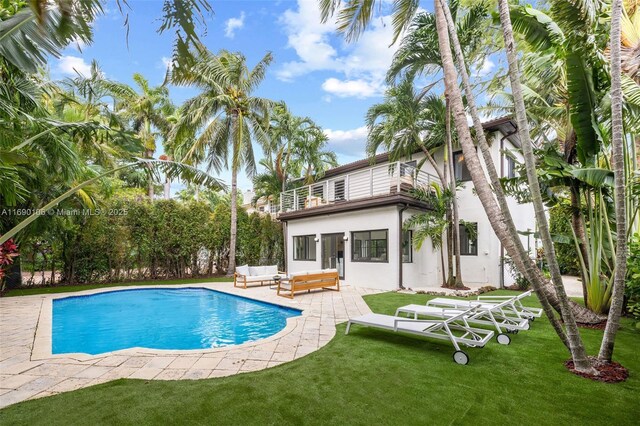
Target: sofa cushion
x=315, y=271
x=253, y=278
x=329, y=270
x=271, y=270
x=243, y=270
x=256, y=270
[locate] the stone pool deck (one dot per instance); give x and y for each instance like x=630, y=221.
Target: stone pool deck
x=28, y=369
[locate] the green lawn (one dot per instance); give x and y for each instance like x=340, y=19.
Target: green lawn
x=372, y=377
x=71, y=288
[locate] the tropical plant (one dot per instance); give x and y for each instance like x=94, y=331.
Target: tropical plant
x=171, y=168
x=620, y=194
x=431, y=224
x=418, y=52
x=228, y=117
x=30, y=31
x=146, y=110
x=285, y=131
x=408, y=122
x=632, y=291
x=8, y=253
x=353, y=18
x=311, y=159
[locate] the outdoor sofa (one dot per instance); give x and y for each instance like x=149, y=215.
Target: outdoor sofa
x=327, y=279
x=256, y=275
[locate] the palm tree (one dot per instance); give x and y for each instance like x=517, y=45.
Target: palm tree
x=352, y=20
x=42, y=28
x=146, y=109
x=617, y=135
x=227, y=116
x=434, y=223
x=404, y=123
x=311, y=159
x=268, y=184
x=285, y=130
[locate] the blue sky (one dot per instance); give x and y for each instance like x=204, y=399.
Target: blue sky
x=315, y=71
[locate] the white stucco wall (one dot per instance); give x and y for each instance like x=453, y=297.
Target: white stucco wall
x=426, y=269
x=383, y=275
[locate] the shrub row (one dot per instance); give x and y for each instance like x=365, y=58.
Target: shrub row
x=132, y=239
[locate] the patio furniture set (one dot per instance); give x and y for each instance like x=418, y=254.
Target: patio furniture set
x=441, y=318
x=287, y=284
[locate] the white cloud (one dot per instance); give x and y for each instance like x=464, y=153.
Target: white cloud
x=164, y=63
x=72, y=65
x=78, y=44
x=351, y=88
x=486, y=68
x=348, y=142
x=233, y=24
x=361, y=66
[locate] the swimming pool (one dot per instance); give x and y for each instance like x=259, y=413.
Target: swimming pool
x=161, y=318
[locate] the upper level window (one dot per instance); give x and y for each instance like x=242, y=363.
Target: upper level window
x=304, y=247
x=369, y=246
x=460, y=167
x=408, y=168
x=407, y=246
x=339, y=190
x=510, y=165
x=469, y=239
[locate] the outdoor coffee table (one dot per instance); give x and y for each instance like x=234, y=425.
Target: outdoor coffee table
x=276, y=280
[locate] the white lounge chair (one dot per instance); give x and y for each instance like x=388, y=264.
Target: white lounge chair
x=512, y=307
x=437, y=329
x=495, y=315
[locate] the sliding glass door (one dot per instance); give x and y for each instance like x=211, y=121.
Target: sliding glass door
x=333, y=252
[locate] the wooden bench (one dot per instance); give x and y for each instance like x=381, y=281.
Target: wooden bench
x=303, y=281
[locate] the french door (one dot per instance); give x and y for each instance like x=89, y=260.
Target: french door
x=333, y=252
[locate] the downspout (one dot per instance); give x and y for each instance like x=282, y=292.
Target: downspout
x=400, y=263
x=501, y=246
x=285, y=239
x=502, y=175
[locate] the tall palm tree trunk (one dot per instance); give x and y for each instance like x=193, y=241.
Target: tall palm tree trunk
x=231, y=267
x=150, y=190
x=483, y=189
x=608, y=340
x=448, y=240
x=531, y=272
x=578, y=350
x=454, y=200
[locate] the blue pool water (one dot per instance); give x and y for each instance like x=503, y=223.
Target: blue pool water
x=185, y=318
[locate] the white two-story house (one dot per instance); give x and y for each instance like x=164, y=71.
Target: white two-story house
x=352, y=219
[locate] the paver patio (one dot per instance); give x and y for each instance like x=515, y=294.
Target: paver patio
x=28, y=369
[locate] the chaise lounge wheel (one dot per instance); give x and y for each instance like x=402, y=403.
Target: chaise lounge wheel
x=503, y=339
x=461, y=357
x=527, y=325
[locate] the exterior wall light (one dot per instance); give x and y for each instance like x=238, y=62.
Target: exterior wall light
x=345, y=238
x=316, y=239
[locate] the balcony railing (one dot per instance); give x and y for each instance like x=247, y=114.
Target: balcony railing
x=385, y=179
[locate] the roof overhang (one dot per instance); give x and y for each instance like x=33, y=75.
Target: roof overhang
x=349, y=206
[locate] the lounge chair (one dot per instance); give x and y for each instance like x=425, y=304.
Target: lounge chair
x=513, y=306
x=437, y=329
x=497, y=316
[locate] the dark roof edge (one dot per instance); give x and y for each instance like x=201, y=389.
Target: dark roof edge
x=347, y=206
x=492, y=125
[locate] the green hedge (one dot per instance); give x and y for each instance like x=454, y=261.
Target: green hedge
x=132, y=239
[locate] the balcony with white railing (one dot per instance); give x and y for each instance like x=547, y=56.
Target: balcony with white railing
x=377, y=181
